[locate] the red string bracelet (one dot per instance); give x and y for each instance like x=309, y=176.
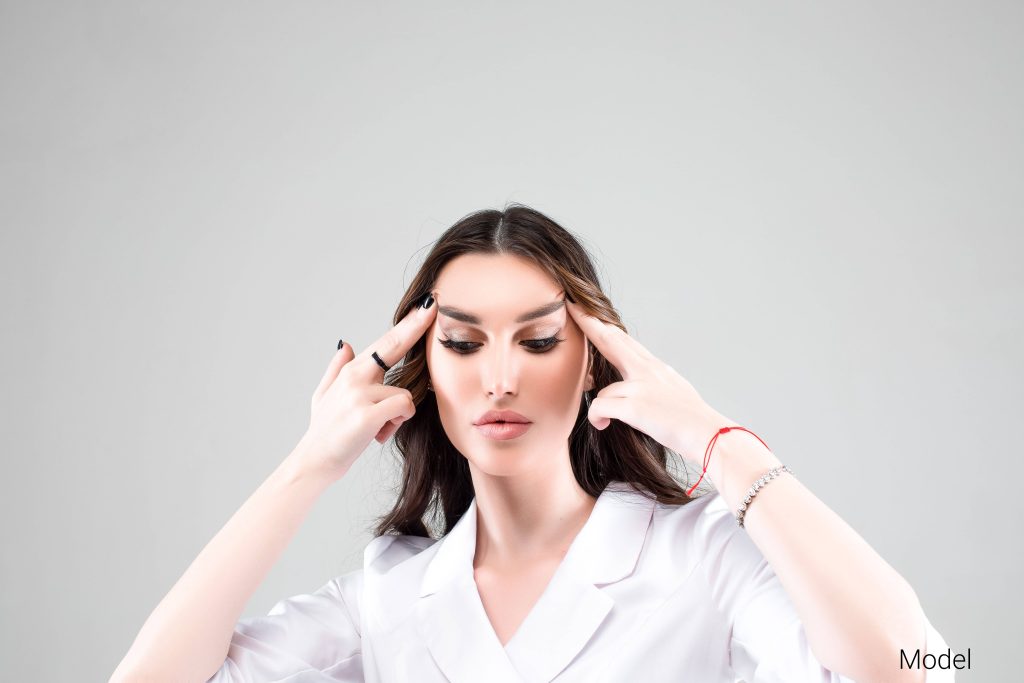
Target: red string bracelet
x=711, y=445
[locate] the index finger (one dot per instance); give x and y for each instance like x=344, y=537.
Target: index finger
x=396, y=342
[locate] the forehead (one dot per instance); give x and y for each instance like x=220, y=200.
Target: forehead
x=499, y=286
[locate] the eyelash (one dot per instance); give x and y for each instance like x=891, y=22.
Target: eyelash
x=462, y=349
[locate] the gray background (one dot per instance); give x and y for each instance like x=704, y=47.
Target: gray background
x=812, y=212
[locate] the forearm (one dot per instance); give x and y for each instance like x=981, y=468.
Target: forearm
x=857, y=610
x=188, y=635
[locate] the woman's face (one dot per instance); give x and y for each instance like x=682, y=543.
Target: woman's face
x=535, y=367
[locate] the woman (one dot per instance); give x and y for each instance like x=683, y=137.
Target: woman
x=535, y=432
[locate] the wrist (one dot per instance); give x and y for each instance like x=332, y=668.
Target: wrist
x=302, y=465
x=738, y=459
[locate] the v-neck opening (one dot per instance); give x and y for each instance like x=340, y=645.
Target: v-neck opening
x=573, y=605
x=533, y=608
x=547, y=585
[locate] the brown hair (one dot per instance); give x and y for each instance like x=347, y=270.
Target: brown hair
x=435, y=475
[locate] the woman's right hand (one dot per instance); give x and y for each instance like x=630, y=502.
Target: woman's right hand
x=351, y=405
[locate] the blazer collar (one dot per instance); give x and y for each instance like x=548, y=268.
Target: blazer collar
x=451, y=618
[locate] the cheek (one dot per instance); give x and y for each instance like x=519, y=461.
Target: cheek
x=563, y=377
x=451, y=378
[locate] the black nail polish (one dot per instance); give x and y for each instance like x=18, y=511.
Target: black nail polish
x=340, y=342
x=428, y=301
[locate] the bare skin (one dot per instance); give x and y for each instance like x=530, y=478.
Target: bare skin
x=529, y=505
x=509, y=586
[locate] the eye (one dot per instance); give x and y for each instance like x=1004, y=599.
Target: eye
x=542, y=345
x=458, y=347
x=534, y=345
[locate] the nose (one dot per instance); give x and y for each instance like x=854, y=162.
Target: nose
x=500, y=371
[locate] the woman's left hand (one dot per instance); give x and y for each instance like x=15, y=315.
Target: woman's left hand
x=652, y=397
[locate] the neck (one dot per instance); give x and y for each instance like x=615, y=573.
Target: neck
x=525, y=519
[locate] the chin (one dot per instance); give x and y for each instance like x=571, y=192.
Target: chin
x=500, y=466
x=500, y=461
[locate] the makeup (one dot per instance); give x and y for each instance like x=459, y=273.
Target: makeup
x=473, y=319
x=503, y=431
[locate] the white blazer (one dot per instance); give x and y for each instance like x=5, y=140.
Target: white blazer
x=646, y=592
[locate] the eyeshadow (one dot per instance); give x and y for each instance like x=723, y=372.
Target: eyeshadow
x=537, y=331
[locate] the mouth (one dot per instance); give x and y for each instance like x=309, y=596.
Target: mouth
x=501, y=417
x=503, y=431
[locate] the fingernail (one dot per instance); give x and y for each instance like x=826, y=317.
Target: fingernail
x=428, y=300
x=340, y=342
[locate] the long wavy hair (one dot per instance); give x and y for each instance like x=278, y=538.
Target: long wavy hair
x=435, y=483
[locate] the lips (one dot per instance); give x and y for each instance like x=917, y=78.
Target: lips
x=500, y=416
x=503, y=431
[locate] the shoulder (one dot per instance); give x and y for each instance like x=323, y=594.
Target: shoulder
x=395, y=564
x=704, y=532
x=393, y=569
x=719, y=551
x=380, y=556
x=384, y=553
x=703, y=519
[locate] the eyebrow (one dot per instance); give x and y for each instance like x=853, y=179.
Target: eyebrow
x=465, y=317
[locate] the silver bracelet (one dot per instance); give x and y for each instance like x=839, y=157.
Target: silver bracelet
x=752, y=491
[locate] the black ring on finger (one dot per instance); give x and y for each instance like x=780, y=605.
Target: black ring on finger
x=380, y=362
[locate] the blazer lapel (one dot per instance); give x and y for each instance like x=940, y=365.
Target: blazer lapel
x=452, y=621
x=450, y=616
